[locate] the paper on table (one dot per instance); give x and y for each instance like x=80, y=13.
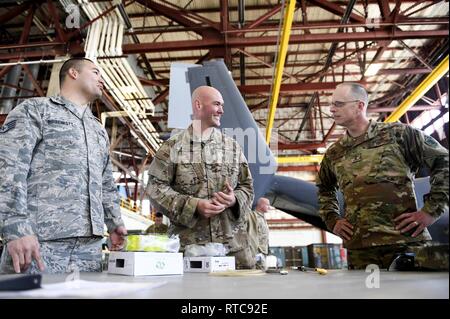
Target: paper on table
x=84, y=289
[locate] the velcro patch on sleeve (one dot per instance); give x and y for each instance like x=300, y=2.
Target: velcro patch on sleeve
x=8, y=126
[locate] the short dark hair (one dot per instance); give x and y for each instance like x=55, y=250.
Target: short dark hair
x=158, y=214
x=75, y=63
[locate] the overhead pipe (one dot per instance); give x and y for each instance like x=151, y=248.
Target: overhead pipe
x=420, y=91
x=284, y=43
x=32, y=62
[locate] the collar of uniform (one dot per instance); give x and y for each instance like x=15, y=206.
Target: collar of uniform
x=189, y=136
x=372, y=130
x=347, y=140
x=59, y=99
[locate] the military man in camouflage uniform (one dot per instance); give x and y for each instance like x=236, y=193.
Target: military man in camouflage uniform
x=374, y=165
x=258, y=230
x=201, y=181
x=56, y=188
x=158, y=227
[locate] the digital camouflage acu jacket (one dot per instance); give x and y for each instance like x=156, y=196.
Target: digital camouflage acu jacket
x=55, y=172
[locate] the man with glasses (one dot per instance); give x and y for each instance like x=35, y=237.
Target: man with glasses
x=374, y=165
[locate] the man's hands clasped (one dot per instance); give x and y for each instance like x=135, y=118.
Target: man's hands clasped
x=218, y=203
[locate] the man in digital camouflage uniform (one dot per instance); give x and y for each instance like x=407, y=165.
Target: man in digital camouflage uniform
x=201, y=181
x=374, y=165
x=56, y=187
x=258, y=230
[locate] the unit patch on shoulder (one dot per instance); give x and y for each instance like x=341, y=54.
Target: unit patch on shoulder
x=430, y=141
x=8, y=126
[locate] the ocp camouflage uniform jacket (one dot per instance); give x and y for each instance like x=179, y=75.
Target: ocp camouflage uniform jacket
x=55, y=172
x=185, y=170
x=375, y=172
x=258, y=232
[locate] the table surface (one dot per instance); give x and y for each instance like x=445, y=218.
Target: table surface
x=294, y=285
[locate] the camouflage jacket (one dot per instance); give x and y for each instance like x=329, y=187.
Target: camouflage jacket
x=185, y=170
x=258, y=232
x=375, y=172
x=56, y=177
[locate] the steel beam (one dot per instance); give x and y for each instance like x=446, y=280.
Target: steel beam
x=210, y=42
x=252, y=25
x=337, y=10
x=311, y=77
x=311, y=25
x=418, y=57
x=193, y=15
x=224, y=18
x=27, y=25
x=297, y=87
x=14, y=12
x=33, y=80
x=30, y=45
x=261, y=55
x=171, y=13
x=5, y=70
x=161, y=97
x=384, y=8
x=160, y=82
x=423, y=88
x=422, y=8
x=264, y=7
x=54, y=13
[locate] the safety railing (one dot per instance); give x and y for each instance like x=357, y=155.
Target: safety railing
x=130, y=205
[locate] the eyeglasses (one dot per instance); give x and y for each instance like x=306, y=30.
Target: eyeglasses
x=342, y=103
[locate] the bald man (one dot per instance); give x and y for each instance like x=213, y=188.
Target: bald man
x=374, y=166
x=200, y=180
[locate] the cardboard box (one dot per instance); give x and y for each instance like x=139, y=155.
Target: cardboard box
x=209, y=264
x=145, y=263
